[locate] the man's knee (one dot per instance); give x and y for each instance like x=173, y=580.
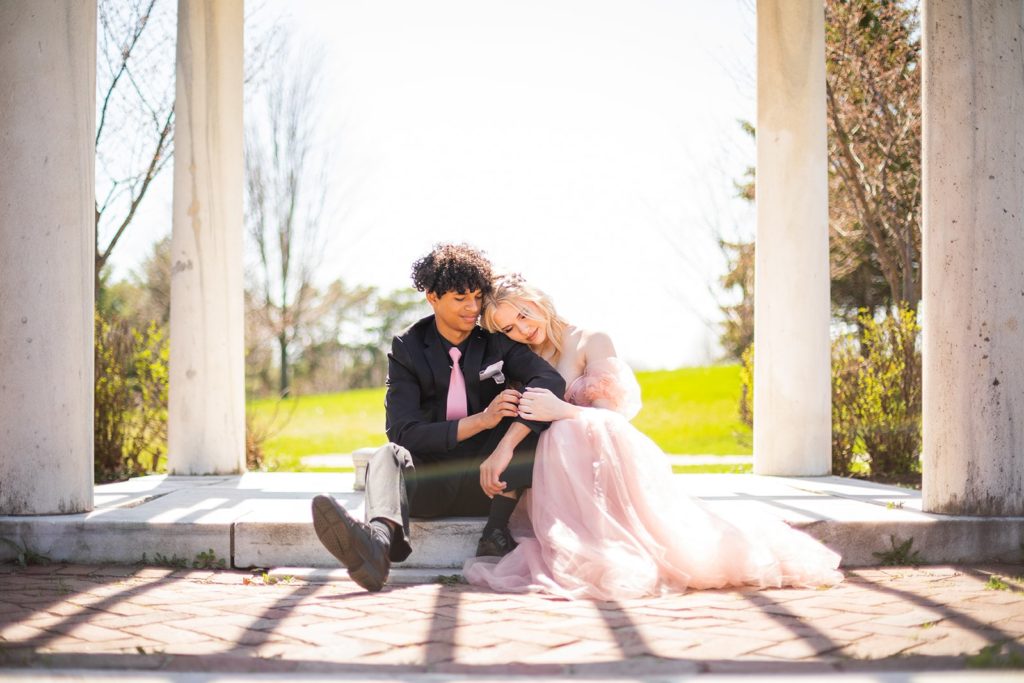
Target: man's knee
x=519, y=474
x=390, y=455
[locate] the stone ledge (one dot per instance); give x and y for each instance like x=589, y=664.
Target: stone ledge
x=263, y=520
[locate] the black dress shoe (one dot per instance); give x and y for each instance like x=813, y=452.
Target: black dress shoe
x=495, y=543
x=351, y=542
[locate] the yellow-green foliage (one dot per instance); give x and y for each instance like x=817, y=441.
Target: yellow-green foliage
x=130, y=432
x=876, y=395
x=846, y=367
x=747, y=386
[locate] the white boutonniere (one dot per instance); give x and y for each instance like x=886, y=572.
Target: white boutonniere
x=493, y=371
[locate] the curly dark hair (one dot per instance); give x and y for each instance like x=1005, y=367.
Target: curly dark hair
x=452, y=268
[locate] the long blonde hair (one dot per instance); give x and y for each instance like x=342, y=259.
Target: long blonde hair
x=513, y=289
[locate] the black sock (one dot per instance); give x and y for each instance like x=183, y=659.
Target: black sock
x=501, y=511
x=381, y=531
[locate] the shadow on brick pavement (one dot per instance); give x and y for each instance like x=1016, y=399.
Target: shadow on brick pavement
x=149, y=619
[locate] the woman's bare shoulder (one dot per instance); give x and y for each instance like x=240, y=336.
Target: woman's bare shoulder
x=596, y=345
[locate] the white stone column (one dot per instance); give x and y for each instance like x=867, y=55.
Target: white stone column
x=47, y=223
x=792, y=370
x=206, y=430
x=973, y=257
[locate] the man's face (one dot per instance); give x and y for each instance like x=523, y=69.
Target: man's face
x=456, y=313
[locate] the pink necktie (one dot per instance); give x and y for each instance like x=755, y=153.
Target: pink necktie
x=457, y=408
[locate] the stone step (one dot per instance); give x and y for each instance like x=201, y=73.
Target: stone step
x=411, y=675
x=263, y=520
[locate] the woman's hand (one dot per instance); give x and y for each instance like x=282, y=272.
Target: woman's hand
x=505, y=404
x=543, y=406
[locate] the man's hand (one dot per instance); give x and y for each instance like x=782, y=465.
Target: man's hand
x=543, y=406
x=505, y=404
x=492, y=468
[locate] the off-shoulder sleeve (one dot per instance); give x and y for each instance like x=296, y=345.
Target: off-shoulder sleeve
x=610, y=381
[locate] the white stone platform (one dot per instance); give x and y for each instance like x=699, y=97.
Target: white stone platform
x=263, y=520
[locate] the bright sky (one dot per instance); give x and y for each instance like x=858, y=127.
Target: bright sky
x=590, y=145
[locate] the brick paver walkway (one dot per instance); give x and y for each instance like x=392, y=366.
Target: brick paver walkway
x=115, y=617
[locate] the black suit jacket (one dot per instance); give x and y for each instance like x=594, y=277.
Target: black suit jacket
x=417, y=388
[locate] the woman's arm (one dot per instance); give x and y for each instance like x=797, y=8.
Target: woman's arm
x=540, y=405
x=544, y=406
x=535, y=373
x=597, y=347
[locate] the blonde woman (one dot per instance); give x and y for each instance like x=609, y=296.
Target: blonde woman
x=604, y=519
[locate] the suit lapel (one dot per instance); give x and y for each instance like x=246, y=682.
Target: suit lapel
x=440, y=368
x=471, y=370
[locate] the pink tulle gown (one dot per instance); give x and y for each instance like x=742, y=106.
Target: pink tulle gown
x=605, y=519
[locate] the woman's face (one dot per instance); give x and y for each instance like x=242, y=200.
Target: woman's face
x=521, y=321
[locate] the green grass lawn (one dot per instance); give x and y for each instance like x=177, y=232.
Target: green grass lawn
x=319, y=424
x=691, y=410
x=694, y=410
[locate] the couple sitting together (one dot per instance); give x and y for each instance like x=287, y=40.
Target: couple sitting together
x=531, y=414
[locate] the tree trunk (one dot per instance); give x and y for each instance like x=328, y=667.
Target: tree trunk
x=282, y=342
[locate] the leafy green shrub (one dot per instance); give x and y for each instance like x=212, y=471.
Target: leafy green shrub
x=876, y=396
x=747, y=386
x=130, y=399
x=846, y=368
x=891, y=394
x=112, y=399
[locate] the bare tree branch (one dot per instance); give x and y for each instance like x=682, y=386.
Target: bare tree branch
x=136, y=33
x=285, y=193
x=155, y=164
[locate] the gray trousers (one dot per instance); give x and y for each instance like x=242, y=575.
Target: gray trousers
x=399, y=487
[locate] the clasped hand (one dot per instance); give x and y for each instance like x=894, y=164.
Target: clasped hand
x=543, y=406
x=505, y=404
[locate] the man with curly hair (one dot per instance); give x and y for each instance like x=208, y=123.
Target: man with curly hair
x=453, y=423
